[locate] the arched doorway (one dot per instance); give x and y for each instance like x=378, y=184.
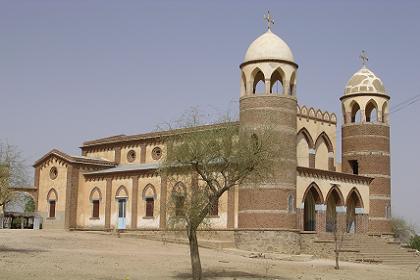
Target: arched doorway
x=353, y=201
x=334, y=199
x=311, y=198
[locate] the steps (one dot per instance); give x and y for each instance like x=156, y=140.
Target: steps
x=373, y=249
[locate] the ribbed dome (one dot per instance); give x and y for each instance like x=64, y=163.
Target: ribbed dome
x=364, y=81
x=268, y=46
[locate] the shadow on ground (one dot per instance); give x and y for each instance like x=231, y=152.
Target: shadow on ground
x=230, y=274
x=4, y=249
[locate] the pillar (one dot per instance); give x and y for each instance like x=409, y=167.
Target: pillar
x=108, y=194
x=134, y=202
x=341, y=218
x=361, y=221
x=320, y=217
x=163, y=195
x=312, y=158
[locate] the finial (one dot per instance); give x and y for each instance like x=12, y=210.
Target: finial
x=363, y=56
x=269, y=20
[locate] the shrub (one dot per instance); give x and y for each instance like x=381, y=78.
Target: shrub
x=415, y=242
x=402, y=229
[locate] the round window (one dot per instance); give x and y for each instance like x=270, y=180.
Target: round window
x=156, y=153
x=53, y=172
x=131, y=155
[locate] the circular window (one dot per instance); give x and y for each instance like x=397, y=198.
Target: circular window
x=53, y=173
x=156, y=153
x=131, y=155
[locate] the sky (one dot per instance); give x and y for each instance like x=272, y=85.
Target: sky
x=72, y=71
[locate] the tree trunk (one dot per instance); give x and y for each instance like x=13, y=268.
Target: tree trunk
x=195, y=255
x=337, y=254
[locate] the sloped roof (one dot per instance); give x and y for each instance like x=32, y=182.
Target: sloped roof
x=75, y=159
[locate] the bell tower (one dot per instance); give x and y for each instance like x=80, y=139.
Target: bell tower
x=268, y=97
x=366, y=141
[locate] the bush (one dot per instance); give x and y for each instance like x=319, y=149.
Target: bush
x=402, y=229
x=415, y=242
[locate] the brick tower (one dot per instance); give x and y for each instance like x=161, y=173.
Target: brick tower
x=366, y=142
x=268, y=79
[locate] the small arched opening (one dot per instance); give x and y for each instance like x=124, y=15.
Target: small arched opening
x=178, y=196
x=276, y=82
x=52, y=199
x=95, y=198
x=258, y=85
x=311, y=197
x=355, y=116
x=371, y=111
x=149, y=197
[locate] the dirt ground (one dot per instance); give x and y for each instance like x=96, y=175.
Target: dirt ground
x=28, y=254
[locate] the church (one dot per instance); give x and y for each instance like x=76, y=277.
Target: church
x=114, y=183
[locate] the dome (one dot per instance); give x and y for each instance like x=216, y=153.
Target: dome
x=364, y=81
x=268, y=46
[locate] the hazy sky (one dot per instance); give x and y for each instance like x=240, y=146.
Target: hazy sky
x=71, y=71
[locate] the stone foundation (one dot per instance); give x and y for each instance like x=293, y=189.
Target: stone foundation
x=286, y=242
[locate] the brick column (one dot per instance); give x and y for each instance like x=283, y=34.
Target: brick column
x=134, y=200
x=108, y=194
x=312, y=158
x=163, y=194
x=143, y=153
x=320, y=217
x=231, y=208
x=361, y=221
x=341, y=218
x=299, y=217
x=118, y=155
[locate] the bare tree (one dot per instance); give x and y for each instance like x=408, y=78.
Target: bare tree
x=338, y=243
x=12, y=173
x=217, y=158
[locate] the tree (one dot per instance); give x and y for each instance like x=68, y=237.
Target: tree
x=29, y=204
x=217, y=158
x=338, y=243
x=12, y=173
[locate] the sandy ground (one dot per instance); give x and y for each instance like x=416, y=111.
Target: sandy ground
x=27, y=254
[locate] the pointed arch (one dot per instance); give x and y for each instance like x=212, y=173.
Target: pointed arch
x=95, y=194
x=121, y=192
x=179, y=189
x=276, y=81
x=293, y=84
x=385, y=112
x=355, y=195
x=355, y=114
x=324, y=137
x=52, y=195
x=258, y=78
x=336, y=194
x=371, y=111
x=316, y=192
x=149, y=188
x=303, y=131
x=243, y=84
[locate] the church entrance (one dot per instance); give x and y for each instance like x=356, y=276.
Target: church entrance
x=333, y=200
x=122, y=202
x=312, y=198
x=353, y=202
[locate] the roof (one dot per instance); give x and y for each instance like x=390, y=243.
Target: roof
x=268, y=46
x=75, y=159
x=152, y=135
x=125, y=168
x=364, y=81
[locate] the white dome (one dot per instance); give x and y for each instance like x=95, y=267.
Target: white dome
x=268, y=46
x=364, y=81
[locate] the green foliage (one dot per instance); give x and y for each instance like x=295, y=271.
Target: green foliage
x=29, y=204
x=415, y=242
x=402, y=229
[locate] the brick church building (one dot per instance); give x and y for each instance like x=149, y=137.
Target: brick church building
x=113, y=183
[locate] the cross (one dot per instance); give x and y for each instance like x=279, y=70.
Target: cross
x=363, y=56
x=269, y=20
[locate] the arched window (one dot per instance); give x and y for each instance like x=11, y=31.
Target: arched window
x=52, y=198
x=354, y=201
x=290, y=203
x=259, y=82
x=371, y=111
x=305, y=146
x=149, y=196
x=334, y=199
x=355, y=113
x=311, y=197
x=276, y=82
x=324, y=152
x=95, y=198
x=178, y=195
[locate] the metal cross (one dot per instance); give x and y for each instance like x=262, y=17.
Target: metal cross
x=269, y=19
x=363, y=56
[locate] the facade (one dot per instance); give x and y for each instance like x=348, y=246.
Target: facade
x=114, y=182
